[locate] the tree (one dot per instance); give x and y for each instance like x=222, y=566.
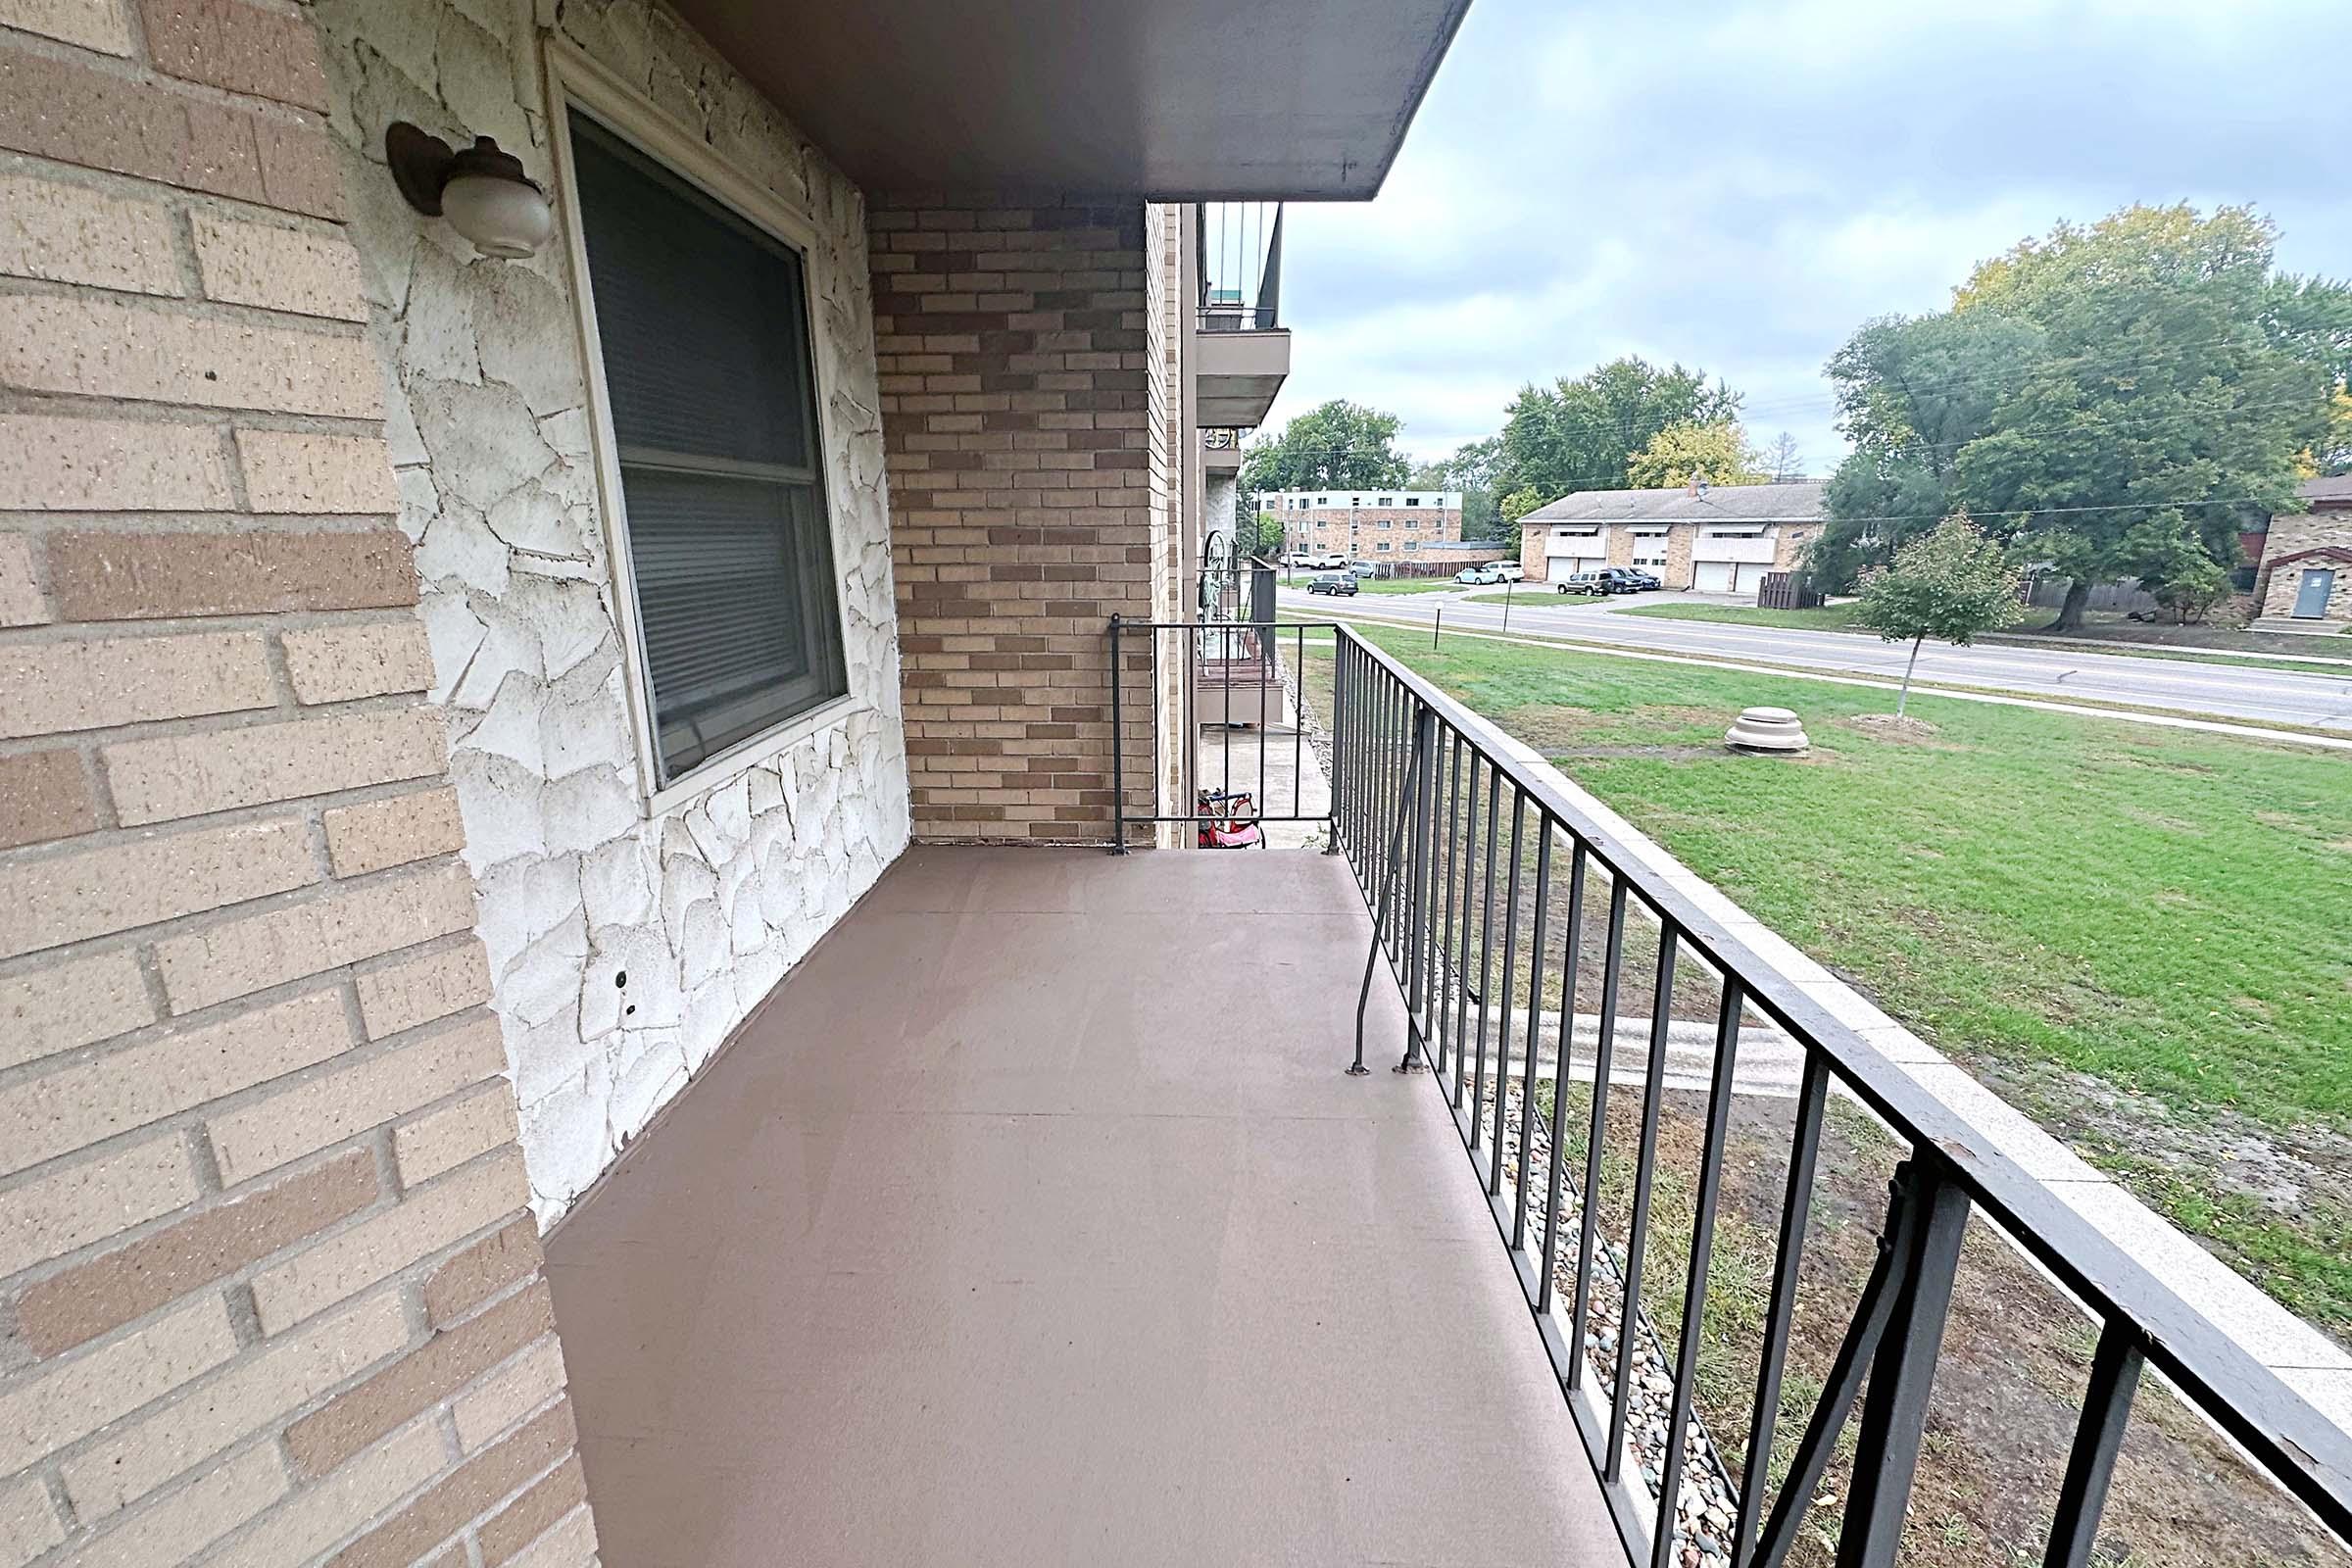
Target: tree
x=1783, y=459
x=1952, y=583
x=1471, y=470
x=1720, y=453
x=2177, y=569
x=2093, y=395
x=1912, y=392
x=1338, y=446
x=1519, y=503
x=1579, y=435
x=2167, y=401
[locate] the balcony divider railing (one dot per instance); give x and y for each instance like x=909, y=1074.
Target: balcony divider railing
x=1425, y=796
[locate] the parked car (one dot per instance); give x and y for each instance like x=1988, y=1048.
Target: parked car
x=1586, y=582
x=1332, y=582
x=1363, y=569
x=1632, y=580
x=1478, y=577
x=1319, y=560
x=1511, y=570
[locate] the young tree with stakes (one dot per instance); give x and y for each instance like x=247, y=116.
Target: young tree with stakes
x=1952, y=583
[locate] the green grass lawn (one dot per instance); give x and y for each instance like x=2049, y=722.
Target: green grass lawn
x=1405, y=585
x=1540, y=594
x=1828, y=617
x=2039, y=895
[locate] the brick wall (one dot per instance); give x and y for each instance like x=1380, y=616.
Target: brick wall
x=2275, y=593
x=267, y=1286
x=1015, y=408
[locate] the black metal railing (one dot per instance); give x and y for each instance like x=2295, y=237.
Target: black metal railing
x=1243, y=718
x=1237, y=257
x=1460, y=848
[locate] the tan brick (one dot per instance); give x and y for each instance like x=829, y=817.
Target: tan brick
x=487, y=1267
x=53, y=1215
x=418, y=1381
x=28, y=1523
x=464, y=1492
x=101, y=120
x=407, y=992
x=73, y=234
x=348, y=924
x=551, y=1498
x=56, y=1007
x=571, y=1545
x=22, y=603
x=96, y=25
x=372, y=658
x=111, y=348
x=319, y=1516
x=94, y=683
x=73, y=1107
x=78, y=1397
x=426, y=1221
x=44, y=796
x=300, y=270
x=231, y=1404
x=286, y=470
x=59, y=898
x=334, y=1105
x=51, y=462
x=361, y=839
x=218, y=770
x=244, y=48
x=442, y=1140
x=168, y=1532
x=112, y=577
x=81, y=1303
x=510, y=1393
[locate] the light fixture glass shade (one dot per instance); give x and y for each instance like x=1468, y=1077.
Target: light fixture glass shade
x=503, y=217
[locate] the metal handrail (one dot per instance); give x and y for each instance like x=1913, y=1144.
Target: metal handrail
x=1396, y=736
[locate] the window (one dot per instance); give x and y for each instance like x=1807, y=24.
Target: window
x=702, y=327
x=1383, y=545
x=1388, y=501
x=1413, y=501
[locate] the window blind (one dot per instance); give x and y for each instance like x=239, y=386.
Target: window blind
x=702, y=322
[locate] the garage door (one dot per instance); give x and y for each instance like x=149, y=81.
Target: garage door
x=1585, y=562
x=1716, y=577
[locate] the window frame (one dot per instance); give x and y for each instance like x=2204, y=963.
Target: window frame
x=576, y=81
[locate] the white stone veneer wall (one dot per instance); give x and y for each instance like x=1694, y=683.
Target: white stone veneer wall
x=705, y=907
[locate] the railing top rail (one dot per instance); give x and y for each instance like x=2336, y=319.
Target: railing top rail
x=2295, y=1442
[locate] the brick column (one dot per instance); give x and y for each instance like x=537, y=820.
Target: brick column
x=267, y=1284
x=1016, y=419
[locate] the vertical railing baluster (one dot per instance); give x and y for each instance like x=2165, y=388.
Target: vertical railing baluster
x=1486, y=950
x=1645, y=1168
x=1426, y=955
x=1605, y=1054
x=1695, y=1290
x=1804, y=1150
x=1535, y=1028
x=1570, y=952
x=1118, y=750
x=1461, y=974
x=1894, y=1412
x=1298, y=724
x=1342, y=704
x=2098, y=1438
x=1450, y=978
x=1502, y=1010
x=1421, y=790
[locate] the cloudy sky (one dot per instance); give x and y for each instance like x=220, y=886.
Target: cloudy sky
x=1739, y=183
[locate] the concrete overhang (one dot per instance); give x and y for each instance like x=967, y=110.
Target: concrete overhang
x=1164, y=99
x=1239, y=375
x=1221, y=460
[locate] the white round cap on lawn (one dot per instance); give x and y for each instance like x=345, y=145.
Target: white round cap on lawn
x=1766, y=729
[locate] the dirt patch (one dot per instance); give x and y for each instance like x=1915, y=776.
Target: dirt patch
x=1671, y=754
x=1888, y=727
x=1550, y=726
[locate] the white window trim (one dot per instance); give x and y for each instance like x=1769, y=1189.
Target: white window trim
x=574, y=79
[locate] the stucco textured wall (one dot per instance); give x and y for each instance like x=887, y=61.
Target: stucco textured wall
x=704, y=908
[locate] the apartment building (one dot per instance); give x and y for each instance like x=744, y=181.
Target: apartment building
x=1720, y=539
x=1367, y=525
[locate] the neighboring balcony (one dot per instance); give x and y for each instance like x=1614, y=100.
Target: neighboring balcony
x=1241, y=353
x=1221, y=452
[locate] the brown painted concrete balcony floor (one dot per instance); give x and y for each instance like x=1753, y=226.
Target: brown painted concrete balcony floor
x=1034, y=1222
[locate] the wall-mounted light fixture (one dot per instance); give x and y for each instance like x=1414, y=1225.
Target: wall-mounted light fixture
x=482, y=190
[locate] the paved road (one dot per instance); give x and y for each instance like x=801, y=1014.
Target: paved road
x=2253, y=694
